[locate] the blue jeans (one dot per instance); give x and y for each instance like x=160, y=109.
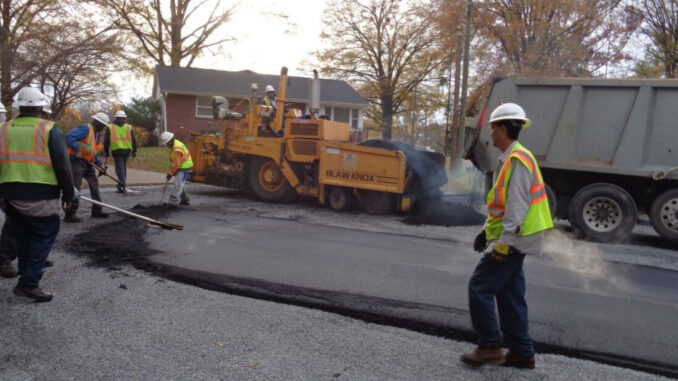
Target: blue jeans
x=33, y=240
x=121, y=167
x=506, y=282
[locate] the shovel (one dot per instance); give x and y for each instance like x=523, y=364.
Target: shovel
x=98, y=168
x=128, y=190
x=161, y=224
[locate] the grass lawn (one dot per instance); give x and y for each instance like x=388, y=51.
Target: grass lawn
x=154, y=159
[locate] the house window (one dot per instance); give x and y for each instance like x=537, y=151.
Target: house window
x=203, y=107
x=341, y=114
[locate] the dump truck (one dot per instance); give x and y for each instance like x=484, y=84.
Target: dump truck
x=278, y=154
x=607, y=149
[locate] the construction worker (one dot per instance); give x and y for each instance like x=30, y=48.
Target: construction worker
x=269, y=98
x=181, y=168
x=121, y=142
x=7, y=246
x=34, y=173
x=517, y=216
x=84, y=142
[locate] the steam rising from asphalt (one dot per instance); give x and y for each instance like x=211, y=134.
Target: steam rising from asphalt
x=583, y=258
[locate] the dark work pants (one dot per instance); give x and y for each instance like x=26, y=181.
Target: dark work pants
x=121, y=167
x=85, y=171
x=7, y=245
x=504, y=281
x=34, y=237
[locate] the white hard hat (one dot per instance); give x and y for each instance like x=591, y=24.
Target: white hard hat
x=120, y=114
x=166, y=137
x=101, y=118
x=48, y=105
x=30, y=97
x=510, y=111
x=270, y=88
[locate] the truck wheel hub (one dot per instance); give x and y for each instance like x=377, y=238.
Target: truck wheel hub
x=669, y=214
x=602, y=214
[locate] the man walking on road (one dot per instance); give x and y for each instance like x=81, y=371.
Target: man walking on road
x=34, y=173
x=120, y=139
x=84, y=142
x=517, y=215
x=181, y=168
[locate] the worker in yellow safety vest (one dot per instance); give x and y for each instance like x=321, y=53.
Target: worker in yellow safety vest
x=84, y=144
x=182, y=164
x=34, y=173
x=120, y=141
x=517, y=216
x=270, y=99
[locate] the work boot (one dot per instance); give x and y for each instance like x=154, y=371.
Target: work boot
x=120, y=188
x=49, y=263
x=484, y=354
x=72, y=218
x=7, y=270
x=34, y=293
x=185, y=201
x=99, y=214
x=515, y=360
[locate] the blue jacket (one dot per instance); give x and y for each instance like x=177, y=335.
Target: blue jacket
x=79, y=133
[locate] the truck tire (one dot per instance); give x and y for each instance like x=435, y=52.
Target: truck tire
x=341, y=198
x=664, y=214
x=267, y=182
x=378, y=202
x=603, y=212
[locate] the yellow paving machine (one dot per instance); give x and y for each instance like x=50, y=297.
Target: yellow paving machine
x=277, y=154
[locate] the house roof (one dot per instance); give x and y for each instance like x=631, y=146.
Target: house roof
x=181, y=80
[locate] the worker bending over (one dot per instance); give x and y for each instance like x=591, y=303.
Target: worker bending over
x=34, y=173
x=181, y=168
x=84, y=142
x=120, y=140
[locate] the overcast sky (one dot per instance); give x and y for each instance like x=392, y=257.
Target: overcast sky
x=264, y=41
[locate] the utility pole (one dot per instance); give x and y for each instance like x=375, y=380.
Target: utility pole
x=414, y=114
x=464, y=88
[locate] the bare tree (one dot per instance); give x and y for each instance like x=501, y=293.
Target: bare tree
x=22, y=22
x=383, y=47
x=660, y=25
x=555, y=37
x=84, y=75
x=162, y=34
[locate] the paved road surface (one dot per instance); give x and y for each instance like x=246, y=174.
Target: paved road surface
x=630, y=315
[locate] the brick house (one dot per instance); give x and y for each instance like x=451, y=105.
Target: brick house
x=185, y=95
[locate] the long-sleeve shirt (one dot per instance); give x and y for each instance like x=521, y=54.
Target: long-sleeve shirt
x=176, y=164
x=79, y=133
x=62, y=169
x=122, y=152
x=517, y=206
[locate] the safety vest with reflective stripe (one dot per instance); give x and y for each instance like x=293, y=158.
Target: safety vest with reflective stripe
x=24, y=152
x=89, y=147
x=121, y=136
x=270, y=102
x=538, y=217
x=186, y=161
